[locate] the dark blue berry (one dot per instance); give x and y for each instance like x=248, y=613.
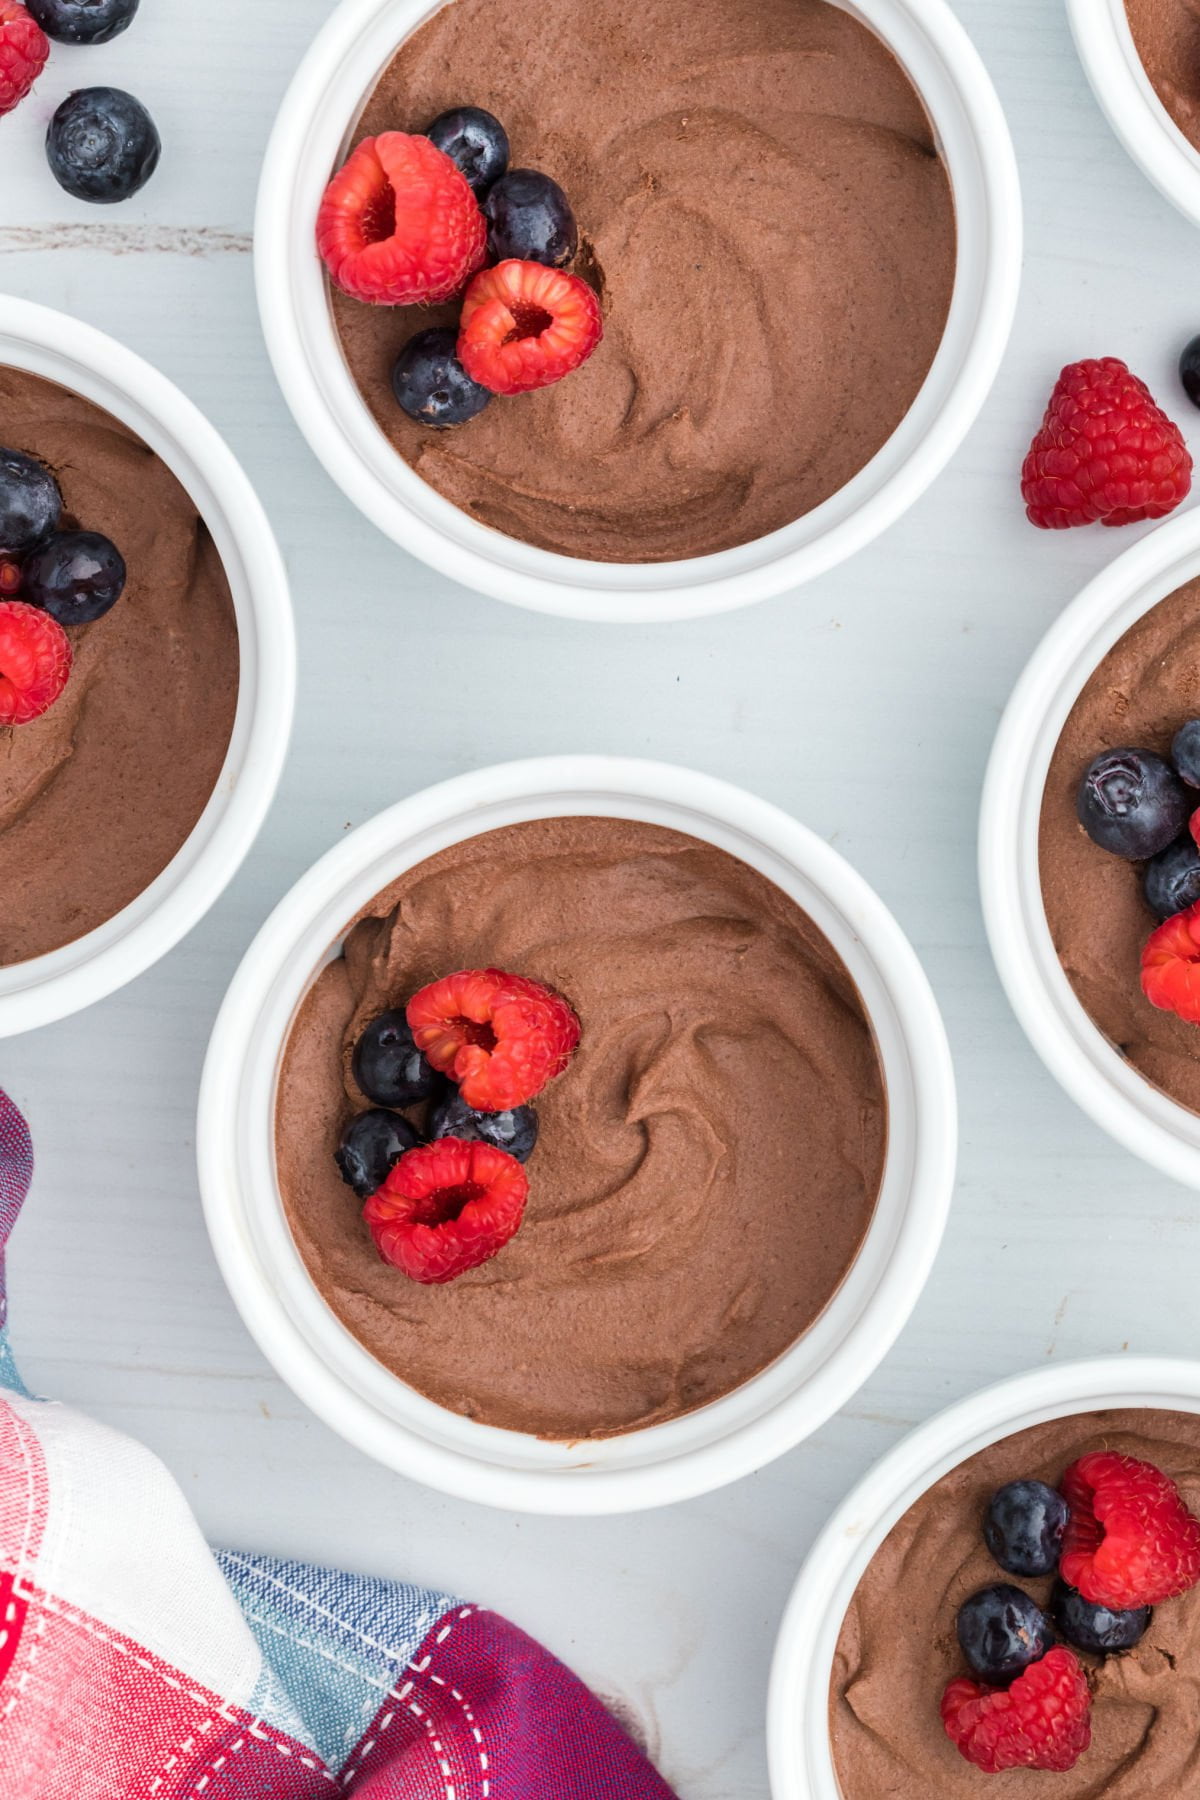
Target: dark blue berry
x=515, y=1131
x=1024, y=1527
x=371, y=1144
x=1001, y=1631
x=475, y=140
x=1189, y=371
x=75, y=576
x=30, y=502
x=82, y=21
x=528, y=216
x=1185, y=752
x=1172, y=880
x=1132, y=803
x=102, y=145
x=387, y=1065
x=1097, y=1629
x=431, y=384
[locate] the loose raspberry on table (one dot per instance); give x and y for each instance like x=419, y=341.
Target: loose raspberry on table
x=500, y=1037
x=525, y=326
x=447, y=1207
x=1105, y=452
x=1130, y=1540
x=24, y=48
x=35, y=661
x=1043, y=1721
x=1171, y=965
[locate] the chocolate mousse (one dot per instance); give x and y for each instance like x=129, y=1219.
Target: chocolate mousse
x=706, y=1167
x=1167, y=35
x=897, y=1648
x=98, y=794
x=767, y=221
x=1140, y=694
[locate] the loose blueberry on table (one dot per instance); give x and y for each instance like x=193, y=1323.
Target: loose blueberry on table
x=83, y=21
x=102, y=145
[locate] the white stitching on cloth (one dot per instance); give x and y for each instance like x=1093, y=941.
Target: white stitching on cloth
x=402, y=1695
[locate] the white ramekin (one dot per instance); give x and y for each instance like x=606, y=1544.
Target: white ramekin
x=1075, y=1051
x=798, y=1704
x=1128, y=100
x=310, y=139
x=64, y=350
x=342, y=1382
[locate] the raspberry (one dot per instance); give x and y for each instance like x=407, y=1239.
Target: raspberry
x=399, y=224
x=500, y=1037
x=35, y=661
x=1043, y=1721
x=24, y=48
x=1171, y=965
x=1105, y=452
x=525, y=326
x=1130, y=1539
x=446, y=1207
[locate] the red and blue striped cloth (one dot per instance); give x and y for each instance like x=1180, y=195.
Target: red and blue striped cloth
x=136, y=1664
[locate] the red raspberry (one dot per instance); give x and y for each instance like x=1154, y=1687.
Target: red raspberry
x=24, y=48
x=1130, y=1539
x=525, y=326
x=399, y=223
x=446, y=1207
x=1105, y=451
x=500, y=1037
x=35, y=661
x=1043, y=1721
x=1171, y=965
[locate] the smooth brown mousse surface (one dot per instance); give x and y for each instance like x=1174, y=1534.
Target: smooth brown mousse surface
x=1167, y=35
x=897, y=1649
x=770, y=229
x=98, y=794
x=1142, y=692
x=707, y=1166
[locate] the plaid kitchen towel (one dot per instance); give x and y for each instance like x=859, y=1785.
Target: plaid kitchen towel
x=137, y=1665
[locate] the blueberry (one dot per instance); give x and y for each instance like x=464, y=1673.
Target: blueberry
x=30, y=501
x=1024, y=1527
x=528, y=216
x=475, y=140
x=1185, y=752
x=1096, y=1629
x=1001, y=1631
x=1132, y=803
x=431, y=384
x=370, y=1145
x=82, y=21
x=75, y=576
x=102, y=145
x=1172, y=880
x=515, y=1131
x=387, y=1065
x=1189, y=371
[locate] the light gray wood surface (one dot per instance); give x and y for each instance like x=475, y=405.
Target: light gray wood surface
x=865, y=704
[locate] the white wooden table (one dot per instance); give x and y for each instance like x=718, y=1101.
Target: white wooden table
x=865, y=704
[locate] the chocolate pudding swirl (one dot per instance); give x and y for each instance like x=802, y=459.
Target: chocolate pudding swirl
x=769, y=226
x=1167, y=35
x=707, y=1166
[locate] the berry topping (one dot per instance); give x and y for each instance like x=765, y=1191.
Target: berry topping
x=1105, y=451
x=10, y=576
x=1185, y=752
x=529, y=217
x=525, y=326
x=446, y=1207
x=499, y=1036
x=1172, y=880
x=1001, y=1631
x=388, y=1066
x=1043, y=1721
x=399, y=223
x=515, y=1130
x=35, y=661
x=1132, y=803
x=75, y=576
x=476, y=143
x=1024, y=1527
x=83, y=21
x=30, y=502
x=102, y=145
x=23, y=53
x=1171, y=966
x=1098, y=1630
x=1189, y=370
x=431, y=384
x=369, y=1148
x=1131, y=1540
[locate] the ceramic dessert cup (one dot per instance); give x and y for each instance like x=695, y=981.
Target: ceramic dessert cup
x=342, y=1382
x=310, y=138
x=61, y=349
x=1092, y=1071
